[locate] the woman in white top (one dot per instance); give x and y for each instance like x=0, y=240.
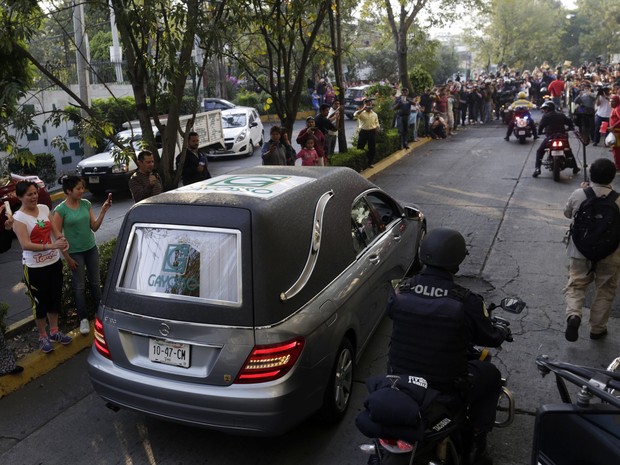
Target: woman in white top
x=41, y=243
x=603, y=112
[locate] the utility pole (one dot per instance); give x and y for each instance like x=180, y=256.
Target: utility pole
x=115, y=49
x=81, y=57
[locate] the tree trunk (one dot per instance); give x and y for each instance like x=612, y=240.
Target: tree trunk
x=336, y=40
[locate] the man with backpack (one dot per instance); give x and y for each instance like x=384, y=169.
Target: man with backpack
x=593, y=250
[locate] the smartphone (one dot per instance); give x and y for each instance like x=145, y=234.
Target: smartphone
x=7, y=209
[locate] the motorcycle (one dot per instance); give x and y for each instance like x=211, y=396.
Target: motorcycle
x=581, y=432
x=522, y=129
x=442, y=435
x=558, y=155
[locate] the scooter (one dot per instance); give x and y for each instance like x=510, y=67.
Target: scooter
x=441, y=437
x=583, y=431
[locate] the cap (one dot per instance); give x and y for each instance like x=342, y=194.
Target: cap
x=310, y=118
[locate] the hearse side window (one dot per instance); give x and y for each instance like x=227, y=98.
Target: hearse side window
x=196, y=264
x=385, y=208
x=365, y=225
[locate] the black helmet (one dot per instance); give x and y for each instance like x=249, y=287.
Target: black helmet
x=443, y=248
x=549, y=106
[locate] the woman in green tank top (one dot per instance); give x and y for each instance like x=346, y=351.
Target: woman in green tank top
x=75, y=217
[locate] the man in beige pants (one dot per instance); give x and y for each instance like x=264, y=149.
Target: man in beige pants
x=607, y=271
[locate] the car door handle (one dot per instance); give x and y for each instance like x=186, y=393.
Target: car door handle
x=397, y=237
x=374, y=259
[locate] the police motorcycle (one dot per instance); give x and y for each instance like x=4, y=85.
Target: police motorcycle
x=439, y=433
x=583, y=431
x=522, y=124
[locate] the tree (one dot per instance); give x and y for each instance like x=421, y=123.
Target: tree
x=403, y=14
x=508, y=32
x=18, y=21
x=277, y=44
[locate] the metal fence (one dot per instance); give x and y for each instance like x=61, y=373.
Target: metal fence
x=99, y=72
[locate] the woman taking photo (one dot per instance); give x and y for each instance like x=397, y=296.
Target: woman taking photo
x=75, y=218
x=41, y=243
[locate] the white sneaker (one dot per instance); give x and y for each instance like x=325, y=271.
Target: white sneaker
x=84, y=326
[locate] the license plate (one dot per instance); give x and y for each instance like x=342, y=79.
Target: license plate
x=93, y=179
x=521, y=132
x=169, y=353
x=557, y=153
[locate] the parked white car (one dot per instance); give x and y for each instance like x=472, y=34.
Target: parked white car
x=102, y=174
x=243, y=132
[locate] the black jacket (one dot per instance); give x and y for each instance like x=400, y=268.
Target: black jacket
x=555, y=123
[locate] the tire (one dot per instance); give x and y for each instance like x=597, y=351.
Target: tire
x=521, y=139
x=557, y=167
x=251, y=150
x=339, y=389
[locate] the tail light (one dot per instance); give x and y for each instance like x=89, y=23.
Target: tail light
x=269, y=362
x=557, y=144
x=397, y=446
x=100, y=344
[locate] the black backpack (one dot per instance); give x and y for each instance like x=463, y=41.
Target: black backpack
x=596, y=226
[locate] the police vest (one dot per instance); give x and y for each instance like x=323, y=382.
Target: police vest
x=429, y=333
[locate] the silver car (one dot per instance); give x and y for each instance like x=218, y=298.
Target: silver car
x=242, y=303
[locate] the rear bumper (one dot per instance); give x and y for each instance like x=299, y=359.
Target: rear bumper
x=266, y=409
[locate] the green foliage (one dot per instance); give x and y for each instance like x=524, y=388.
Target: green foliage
x=4, y=308
x=354, y=158
x=44, y=166
x=383, y=95
x=106, y=251
x=420, y=80
x=115, y=110
x=246, y=98
x=387, y=143
x=100, y=45
x=447, y=63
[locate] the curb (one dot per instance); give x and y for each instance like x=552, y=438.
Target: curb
x=37, y=364
x=57, y=196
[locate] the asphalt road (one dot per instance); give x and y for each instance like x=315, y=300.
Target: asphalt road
x=514, y=226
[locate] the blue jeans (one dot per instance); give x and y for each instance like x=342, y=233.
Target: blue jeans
x=88, y=265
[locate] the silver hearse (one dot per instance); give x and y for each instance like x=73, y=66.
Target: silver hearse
x=242, y=303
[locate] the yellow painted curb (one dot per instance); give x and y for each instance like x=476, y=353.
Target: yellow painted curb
x=57, y=196
x=37, y=363
x=396, y=156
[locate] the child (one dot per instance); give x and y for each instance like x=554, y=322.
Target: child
x=308, y=155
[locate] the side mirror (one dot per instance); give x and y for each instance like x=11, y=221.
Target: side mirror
x=412, y=213
x=513, y=305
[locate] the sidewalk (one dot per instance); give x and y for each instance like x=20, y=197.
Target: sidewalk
x=36, y=363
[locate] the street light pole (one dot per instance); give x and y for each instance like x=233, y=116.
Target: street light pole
x=81, y=56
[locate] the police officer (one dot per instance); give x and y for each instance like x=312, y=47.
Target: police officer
x=555, y=123
x=435, y=323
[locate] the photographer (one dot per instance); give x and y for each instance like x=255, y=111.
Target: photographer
x=603, y=112
x=274, y=152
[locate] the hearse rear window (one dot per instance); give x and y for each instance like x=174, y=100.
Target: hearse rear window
x=186, y=263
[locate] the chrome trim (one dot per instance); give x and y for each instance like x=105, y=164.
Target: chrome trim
x=315, y=246
x=186, y=323
x=181, y=341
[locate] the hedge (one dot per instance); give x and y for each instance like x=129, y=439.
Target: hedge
x=44, y=167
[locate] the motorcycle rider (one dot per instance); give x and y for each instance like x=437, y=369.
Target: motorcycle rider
x=435, y=323
x=555, y=123
x=521, y=108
